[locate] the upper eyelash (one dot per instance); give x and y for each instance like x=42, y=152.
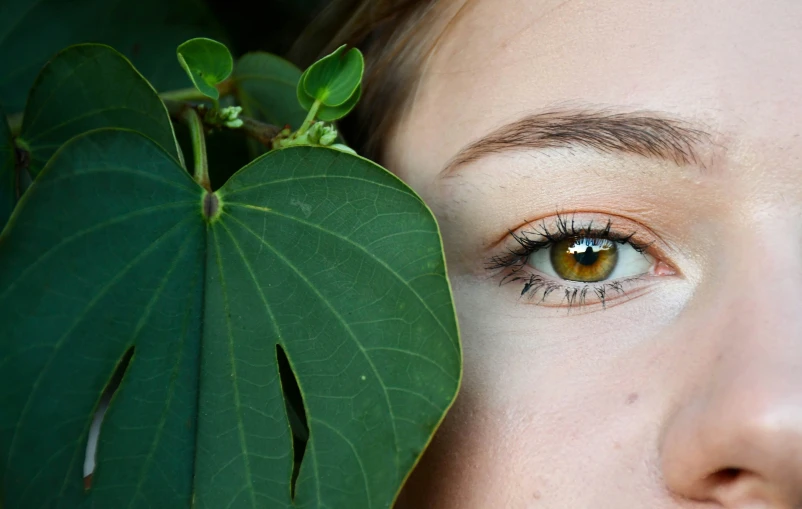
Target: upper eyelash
x=565, y=229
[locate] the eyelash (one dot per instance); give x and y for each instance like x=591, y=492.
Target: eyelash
x=513, y=262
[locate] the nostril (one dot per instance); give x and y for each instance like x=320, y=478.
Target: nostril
x=725, y=476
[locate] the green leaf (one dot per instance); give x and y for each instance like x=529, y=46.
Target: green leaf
x=8, y=188
x=145, y=31
x=85, y=87
x=207, y=63
x=322, y=253
x=333, y=79
x=331, y=113
x=265, y=88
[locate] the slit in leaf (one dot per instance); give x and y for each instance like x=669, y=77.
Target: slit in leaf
x=296, y=414
x=100, y=412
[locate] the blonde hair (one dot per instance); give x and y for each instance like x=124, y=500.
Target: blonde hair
x=396, y=36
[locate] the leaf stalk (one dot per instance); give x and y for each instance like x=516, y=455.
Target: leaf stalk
x=193, y=120
x=310, y=118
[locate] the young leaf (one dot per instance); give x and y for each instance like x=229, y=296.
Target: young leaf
x=331, y=113
x=332, y=81
x=8, y=192
x=323, y=253
x=207, y=63
x=85, y=87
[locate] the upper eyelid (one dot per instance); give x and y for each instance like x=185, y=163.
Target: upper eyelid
x=545, y=236
x=632, y=231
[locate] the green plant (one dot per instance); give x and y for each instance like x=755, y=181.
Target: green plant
x=278, y=336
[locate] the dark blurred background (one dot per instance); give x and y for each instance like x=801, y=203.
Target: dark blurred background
x=271, y=25
x=146, y=31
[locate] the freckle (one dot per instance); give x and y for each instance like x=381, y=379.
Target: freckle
x=632, y=398
x=536, y=495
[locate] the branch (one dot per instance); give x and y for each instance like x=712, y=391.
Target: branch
x=252, y=128
x=259, y=131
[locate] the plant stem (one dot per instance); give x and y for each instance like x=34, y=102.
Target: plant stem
x=201, y=174
x=22, y=179
x=259, y=131
x=252, y=128
x=193, y=94
x=184, y=94
x=15, y=123
x=310, y=118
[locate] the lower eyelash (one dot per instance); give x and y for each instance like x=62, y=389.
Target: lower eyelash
x=535, y=284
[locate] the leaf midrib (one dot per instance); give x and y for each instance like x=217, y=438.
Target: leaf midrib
x=235, y=382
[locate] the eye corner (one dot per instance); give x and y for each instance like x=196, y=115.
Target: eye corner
x=661, y=268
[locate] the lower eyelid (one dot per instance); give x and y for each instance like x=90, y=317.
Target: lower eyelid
x=547, y=292
x=536, y=287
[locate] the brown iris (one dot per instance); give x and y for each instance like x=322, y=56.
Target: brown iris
x=584, y=259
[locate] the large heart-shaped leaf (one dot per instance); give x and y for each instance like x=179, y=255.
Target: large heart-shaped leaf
x=308, y=252
x=85, y=87
x=8, y=188
x=145, y=31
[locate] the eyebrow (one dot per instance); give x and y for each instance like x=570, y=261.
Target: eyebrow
x=641, y=133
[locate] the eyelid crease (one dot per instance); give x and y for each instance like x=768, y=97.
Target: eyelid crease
x=559, y=216
x=539, y=232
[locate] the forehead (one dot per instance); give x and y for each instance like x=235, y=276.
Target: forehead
x=732, y=65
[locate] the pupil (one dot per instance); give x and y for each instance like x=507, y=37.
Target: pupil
x=589, y=257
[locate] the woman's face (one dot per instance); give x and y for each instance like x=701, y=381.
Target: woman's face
x=640, y=344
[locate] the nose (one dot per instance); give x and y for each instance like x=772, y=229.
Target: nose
x=735, y=437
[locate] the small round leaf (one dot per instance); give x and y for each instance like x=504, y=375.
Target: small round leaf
x=332, y=113
x=207, y=63
x=333, y=79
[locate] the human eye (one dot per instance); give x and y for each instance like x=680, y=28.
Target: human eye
x=576, y=261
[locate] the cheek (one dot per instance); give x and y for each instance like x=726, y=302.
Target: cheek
x=548, y=415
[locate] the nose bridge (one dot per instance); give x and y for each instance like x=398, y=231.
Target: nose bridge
x=745, y=413
x=763, y=290
x=757, y=372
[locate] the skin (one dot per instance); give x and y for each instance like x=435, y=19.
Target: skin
x=686, y=392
